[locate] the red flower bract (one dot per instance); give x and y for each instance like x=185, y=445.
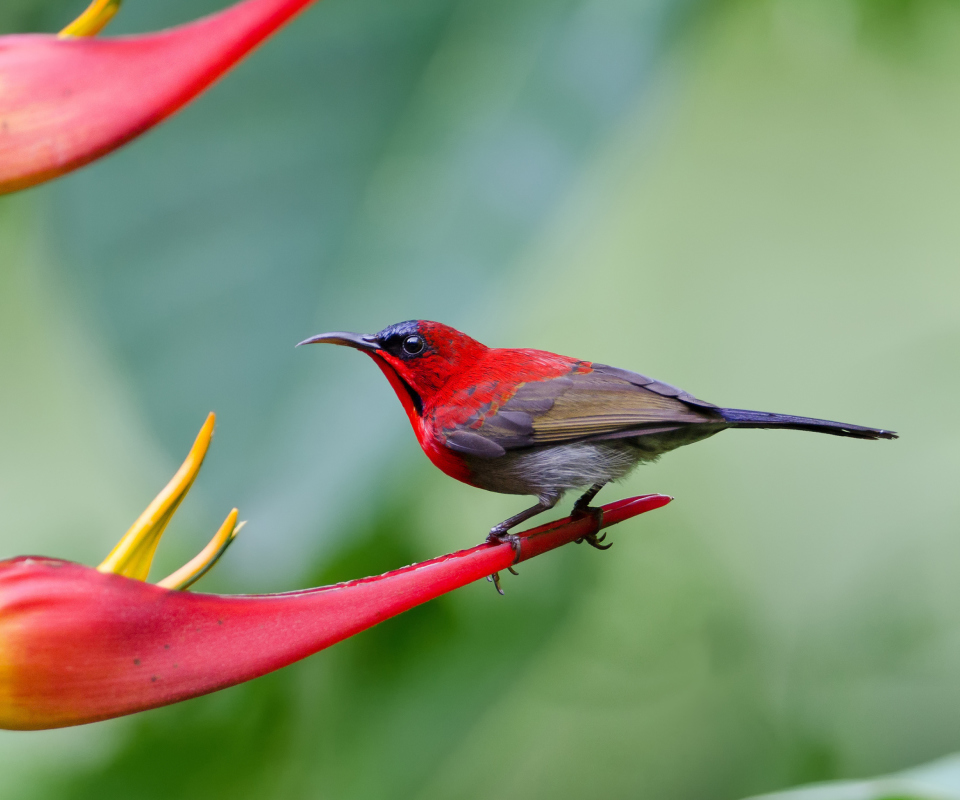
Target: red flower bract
x=67, y=101
x=78, y=645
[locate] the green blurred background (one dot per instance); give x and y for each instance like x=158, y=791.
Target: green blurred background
x=754, y=200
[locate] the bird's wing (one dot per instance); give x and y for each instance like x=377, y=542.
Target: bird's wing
x=603, y=403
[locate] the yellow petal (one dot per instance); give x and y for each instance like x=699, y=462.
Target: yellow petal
x=94, y=19
x=201, y=563
x=133, y=554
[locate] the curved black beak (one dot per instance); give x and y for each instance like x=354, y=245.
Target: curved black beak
x=355, y=340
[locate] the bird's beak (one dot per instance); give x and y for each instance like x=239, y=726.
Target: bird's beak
x=356, y=340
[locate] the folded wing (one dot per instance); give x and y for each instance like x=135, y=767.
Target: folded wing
x=604, y=403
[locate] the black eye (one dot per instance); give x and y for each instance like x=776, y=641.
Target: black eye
x=412, y=345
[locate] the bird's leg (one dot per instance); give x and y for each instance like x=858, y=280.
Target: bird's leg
x=582, y=505
x=498, y=533
x=582, y=508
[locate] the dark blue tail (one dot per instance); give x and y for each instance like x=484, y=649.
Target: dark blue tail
x=738, y=418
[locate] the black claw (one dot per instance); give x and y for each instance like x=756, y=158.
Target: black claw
x=495, y=580
x=591, y=539
x=512, y=571
x=594, y=541
x=499, y=537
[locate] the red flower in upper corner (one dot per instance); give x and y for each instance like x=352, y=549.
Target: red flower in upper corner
x=79, y=644
x=67, y=100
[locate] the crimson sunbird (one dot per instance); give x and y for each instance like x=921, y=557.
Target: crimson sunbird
x=531, y=422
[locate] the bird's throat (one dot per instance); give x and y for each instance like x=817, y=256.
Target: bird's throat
x=412, y=402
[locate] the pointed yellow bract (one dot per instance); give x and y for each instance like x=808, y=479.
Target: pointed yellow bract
x=201, y=563
x=93, y=20
x=133, y=554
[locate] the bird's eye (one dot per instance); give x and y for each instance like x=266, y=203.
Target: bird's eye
x=412, y=345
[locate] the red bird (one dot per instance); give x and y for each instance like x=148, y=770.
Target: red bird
x=537, y=423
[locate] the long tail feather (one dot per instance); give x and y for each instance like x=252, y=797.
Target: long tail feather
x=739, y=418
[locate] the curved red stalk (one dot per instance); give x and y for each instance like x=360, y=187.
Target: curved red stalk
x=78, y=645
x=67, y=101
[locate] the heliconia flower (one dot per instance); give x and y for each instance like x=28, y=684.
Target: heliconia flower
x=67, y=100
x=79, y=644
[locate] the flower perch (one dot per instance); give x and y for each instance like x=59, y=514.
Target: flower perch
x=79, y=644
x=68, y=99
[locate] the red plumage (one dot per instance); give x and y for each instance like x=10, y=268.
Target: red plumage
x=460, y=383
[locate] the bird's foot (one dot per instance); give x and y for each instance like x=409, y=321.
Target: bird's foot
x=579, y=512
x=594, y=541
x=500, y=535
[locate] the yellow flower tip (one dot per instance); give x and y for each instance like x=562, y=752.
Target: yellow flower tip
x=93, y=20
x=203, y=562
x=133, y=554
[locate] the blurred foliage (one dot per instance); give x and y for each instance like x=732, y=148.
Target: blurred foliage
x=244, y=242
x=753, y=199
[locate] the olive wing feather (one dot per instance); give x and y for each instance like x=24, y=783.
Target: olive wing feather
x=603, y=403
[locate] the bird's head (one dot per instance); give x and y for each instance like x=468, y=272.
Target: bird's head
x=418, y=357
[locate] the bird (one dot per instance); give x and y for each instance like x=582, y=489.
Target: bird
x=531, y=422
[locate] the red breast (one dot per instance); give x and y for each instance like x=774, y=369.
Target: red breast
x=444, y=378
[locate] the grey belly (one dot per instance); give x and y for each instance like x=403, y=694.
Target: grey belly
x=578, y=464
